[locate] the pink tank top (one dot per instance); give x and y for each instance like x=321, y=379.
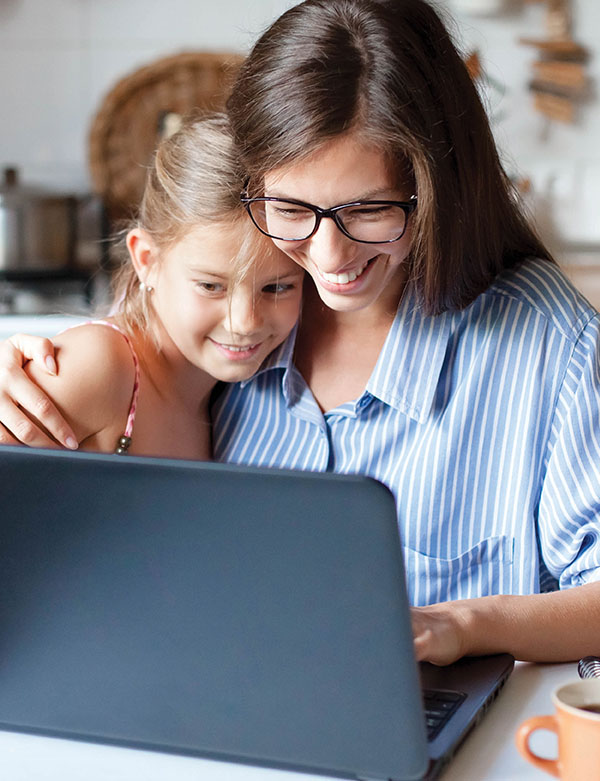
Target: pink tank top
x=124, y=440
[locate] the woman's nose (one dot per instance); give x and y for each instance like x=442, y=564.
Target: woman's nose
x=329, y=249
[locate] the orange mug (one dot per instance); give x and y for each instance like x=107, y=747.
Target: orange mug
x=577, y=725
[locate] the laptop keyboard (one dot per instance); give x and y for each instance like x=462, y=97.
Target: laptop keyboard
x=439, y=706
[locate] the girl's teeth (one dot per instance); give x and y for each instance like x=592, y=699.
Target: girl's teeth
x=343, y=279
x=239, y=349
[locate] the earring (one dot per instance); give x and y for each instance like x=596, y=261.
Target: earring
x=146, y=288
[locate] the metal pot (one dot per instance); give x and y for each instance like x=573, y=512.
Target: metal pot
x=37, y=228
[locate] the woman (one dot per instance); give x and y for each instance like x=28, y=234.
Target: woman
x=440, y=349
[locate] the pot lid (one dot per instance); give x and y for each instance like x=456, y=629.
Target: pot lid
x=13, y=193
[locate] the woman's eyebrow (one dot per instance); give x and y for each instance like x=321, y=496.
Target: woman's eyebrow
x=376, y=194
x=373, y=194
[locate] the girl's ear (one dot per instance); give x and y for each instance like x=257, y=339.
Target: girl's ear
x=143, y=254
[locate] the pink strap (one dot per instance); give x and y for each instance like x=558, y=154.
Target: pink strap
x=136, y=385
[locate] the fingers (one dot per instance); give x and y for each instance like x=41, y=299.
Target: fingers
x=435, y=635
x=17, y=427
x=25, y=434
x=24, y=409
x=20, y=348
x=422, y=646
x=6, y=438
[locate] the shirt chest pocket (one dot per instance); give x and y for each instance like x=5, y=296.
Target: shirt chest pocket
x=484, y=569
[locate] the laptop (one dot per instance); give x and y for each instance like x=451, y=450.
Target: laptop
x=236, y=613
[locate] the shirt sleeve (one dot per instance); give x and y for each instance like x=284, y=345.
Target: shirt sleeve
x=569, y=508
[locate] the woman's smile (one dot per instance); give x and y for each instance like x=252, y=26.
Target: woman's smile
x=344, y=279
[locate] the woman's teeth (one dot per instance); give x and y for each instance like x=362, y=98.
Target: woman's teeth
x=343, y=279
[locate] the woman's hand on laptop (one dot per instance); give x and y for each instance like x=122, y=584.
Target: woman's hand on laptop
x=440, y=631
x=22, y=402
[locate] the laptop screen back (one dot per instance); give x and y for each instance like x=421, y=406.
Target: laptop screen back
x=229, y=612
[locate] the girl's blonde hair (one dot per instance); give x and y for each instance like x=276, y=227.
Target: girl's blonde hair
x=195, y=179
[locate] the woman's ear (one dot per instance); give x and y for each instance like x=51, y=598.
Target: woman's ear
x=143, y=254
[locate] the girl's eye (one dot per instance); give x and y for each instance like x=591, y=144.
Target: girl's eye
x=277, y=288
x=212, y=288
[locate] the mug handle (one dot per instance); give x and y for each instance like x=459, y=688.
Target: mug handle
x=522, y=740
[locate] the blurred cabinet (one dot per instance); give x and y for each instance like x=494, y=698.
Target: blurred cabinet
x=584, y=271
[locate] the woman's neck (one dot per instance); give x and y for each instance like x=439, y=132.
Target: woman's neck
x=336, y=352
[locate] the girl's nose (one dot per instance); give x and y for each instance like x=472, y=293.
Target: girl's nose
x=244, y=316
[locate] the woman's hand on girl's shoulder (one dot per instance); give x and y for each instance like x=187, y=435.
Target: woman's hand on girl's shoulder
x=22, y=401
x=93, y=384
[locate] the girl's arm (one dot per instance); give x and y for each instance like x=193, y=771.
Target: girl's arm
x=93, y=385
x=18, y=393
x=555, y=627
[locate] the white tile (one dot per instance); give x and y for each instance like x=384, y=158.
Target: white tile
x=108, y=65
x=280, y=6
x=26, y=21
x=227, y=25
x=42, y=119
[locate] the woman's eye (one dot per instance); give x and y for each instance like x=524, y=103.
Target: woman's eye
x=367, y=212
x=290, y=213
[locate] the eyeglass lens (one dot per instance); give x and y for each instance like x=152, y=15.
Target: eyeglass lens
x=377, y=223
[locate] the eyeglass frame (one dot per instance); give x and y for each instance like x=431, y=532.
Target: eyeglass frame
x=407, y=207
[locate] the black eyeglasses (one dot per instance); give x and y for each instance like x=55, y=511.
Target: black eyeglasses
x=370, y=222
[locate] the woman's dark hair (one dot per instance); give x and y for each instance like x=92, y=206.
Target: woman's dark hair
x=387, y=71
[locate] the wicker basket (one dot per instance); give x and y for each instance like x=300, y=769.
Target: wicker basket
x=131, y=120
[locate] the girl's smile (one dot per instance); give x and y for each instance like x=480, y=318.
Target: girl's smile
x=238, y=353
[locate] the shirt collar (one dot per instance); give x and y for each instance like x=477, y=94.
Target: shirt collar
x=408, y=369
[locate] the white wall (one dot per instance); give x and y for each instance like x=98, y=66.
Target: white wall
x=59, y=57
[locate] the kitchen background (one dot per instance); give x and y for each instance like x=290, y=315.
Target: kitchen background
x=60, y=58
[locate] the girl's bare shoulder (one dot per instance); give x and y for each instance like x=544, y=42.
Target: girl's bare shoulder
x=96, y=375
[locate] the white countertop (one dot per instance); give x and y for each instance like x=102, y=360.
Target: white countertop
x=39, y=325
x=488, y=754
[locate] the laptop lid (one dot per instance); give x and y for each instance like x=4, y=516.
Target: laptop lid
x=237, y=613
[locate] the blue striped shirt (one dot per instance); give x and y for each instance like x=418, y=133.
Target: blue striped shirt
x=484, y=424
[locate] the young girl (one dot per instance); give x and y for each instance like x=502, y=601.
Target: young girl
x=202, y=298
x=440, y=351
